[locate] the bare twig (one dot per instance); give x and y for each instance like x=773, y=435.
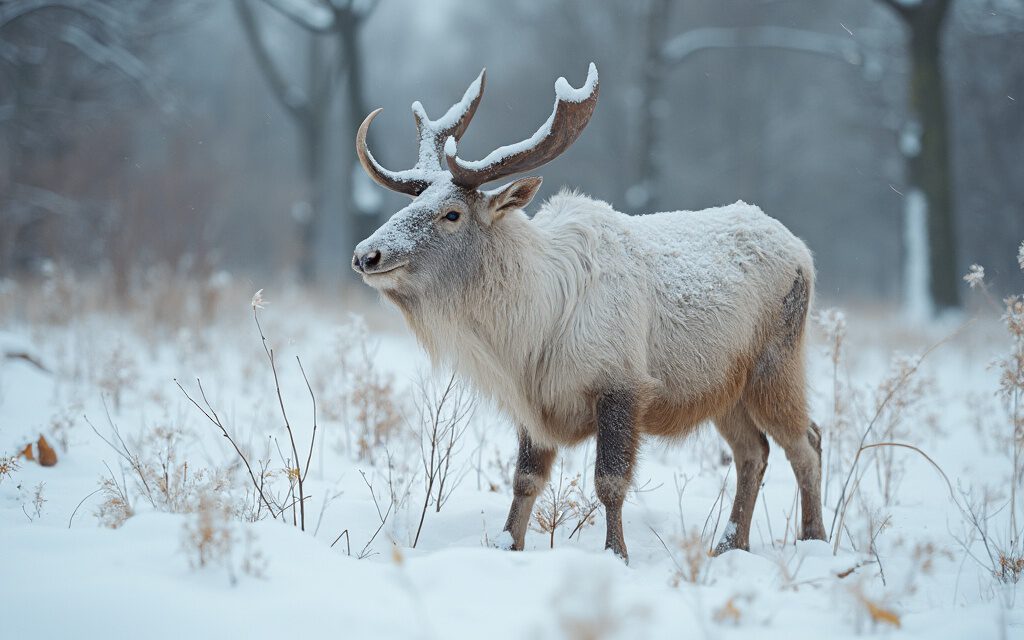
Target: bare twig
x=900, y=383
x=215, y=419
x=841, y=513
x=91, y=494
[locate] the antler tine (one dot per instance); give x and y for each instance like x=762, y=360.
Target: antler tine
x=410, y=182
x=433, y=133
x=572, y=111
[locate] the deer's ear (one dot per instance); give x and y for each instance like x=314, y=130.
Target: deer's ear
x=514, y=195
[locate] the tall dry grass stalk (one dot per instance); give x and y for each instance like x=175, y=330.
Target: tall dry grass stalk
x=295, y=470
x=1004, y=549
x=445, y=412
x=358, y=394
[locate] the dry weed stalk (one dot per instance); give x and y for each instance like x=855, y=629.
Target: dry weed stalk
x=8, y=465
x=62, y=424
x=1005, y=559
x=358, y=394
x=842, y=507
x=837, y=429
x=382, y=517
x=906, y=393
x=295, y=470
x=444, y=417
x=118, y=374
x=38, y=500
x=158, y=474
x=564, y=502
x=891, y=393
x=696, y=556
x=210, y=537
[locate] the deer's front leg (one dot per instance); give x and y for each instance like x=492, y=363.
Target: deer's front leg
x=533, y=466
x=617, y=443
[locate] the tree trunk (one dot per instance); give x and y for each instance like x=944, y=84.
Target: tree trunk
x=929, y=169
x=309, y=218
x=925, y=144
x=642, y=195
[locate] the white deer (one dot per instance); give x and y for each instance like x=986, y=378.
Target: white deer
x=582, y=321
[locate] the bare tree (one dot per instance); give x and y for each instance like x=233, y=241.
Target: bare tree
x=333, y=57
x=64, y=65
x=925, y=144
x=664, y=53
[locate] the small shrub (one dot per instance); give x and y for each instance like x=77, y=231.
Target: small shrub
x=695, y=558
x=563, y=503
x=118, y=374
x=208, y=535
x=157, y=473
x=8, y=466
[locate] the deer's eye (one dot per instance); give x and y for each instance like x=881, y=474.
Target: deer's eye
x=451, y=216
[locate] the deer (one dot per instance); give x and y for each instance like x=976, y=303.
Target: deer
x=581, y=322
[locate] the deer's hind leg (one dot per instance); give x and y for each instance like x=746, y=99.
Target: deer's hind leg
x=778, y=405
x=776, y=398
x=750, y=455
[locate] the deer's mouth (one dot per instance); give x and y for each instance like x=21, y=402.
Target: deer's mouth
x=383, y=271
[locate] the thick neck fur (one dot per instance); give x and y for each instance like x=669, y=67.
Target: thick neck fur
x=517, y=310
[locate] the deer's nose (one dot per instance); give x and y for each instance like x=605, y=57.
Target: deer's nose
x=365, y=261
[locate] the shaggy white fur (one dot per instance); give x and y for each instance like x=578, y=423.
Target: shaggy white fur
x=582, y=298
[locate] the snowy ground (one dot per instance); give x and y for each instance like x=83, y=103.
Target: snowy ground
x=64, y=574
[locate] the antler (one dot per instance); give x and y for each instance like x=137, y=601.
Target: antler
x=572, y=111
x=432, y=135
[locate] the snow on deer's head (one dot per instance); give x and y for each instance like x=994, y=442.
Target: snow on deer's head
x=438, y=240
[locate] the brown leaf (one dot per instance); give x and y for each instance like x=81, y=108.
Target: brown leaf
x=879, y=613
x=47, y=456
x=27, y=452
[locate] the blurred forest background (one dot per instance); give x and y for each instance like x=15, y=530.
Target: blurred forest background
x=199, y=137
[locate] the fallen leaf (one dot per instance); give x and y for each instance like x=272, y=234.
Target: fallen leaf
x=47, y=456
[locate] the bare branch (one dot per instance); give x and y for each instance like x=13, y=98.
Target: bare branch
x=681, y=47
x=294, y=103
x=17, y=9
x=310, y=16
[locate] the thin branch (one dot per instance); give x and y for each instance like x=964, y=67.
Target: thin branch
x=312, y=397
x=258, y=485
x=348, y=541
x=900, y=383
x=80, y=505
x=684, y=45
x=901, y=9
x=284, y=415
x=314, y=18
x=17, y=9
x=842, y=512
x=289, y=96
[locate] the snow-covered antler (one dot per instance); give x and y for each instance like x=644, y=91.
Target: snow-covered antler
x=572, y=111
x=432, y=135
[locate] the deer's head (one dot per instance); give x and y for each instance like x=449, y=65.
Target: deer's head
x=437, y=239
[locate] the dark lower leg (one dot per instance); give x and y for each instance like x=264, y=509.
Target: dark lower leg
x=617, y=442
x=750, y=454
x=533, y=466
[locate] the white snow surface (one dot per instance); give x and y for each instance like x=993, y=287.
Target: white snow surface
x=64, y=576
